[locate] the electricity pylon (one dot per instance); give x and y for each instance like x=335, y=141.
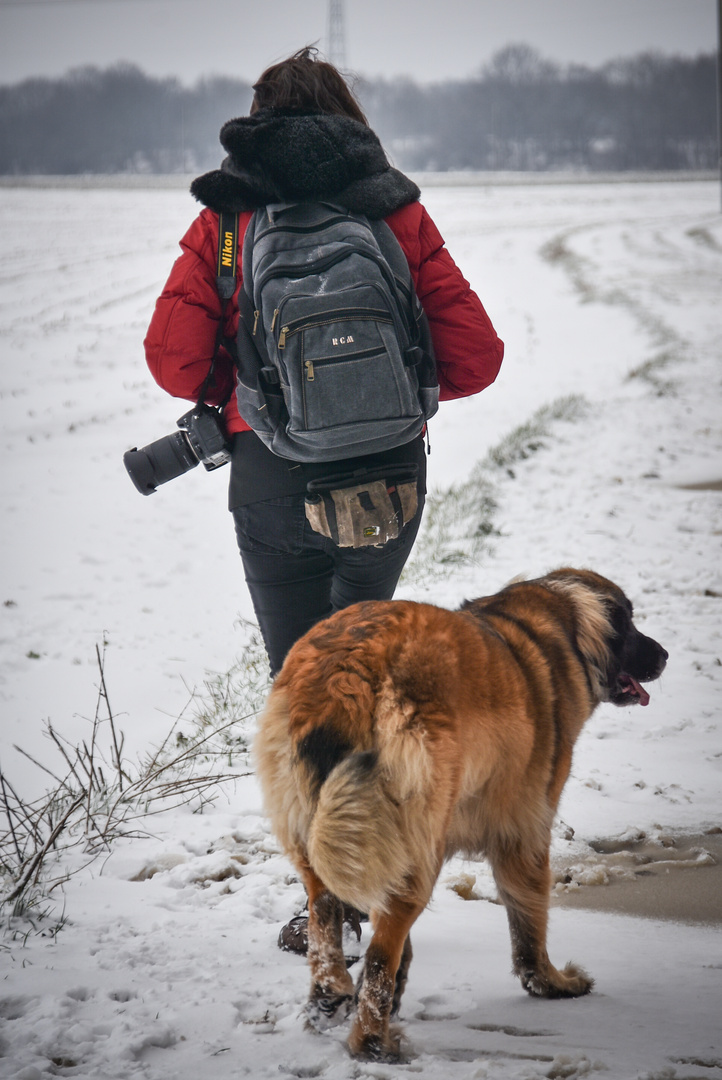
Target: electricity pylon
x=336, y=39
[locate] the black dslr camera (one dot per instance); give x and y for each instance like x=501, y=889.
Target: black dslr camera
x=201, y=438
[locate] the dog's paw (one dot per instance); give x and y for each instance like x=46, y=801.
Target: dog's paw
x=368, y=1047
x=324, y=1011
x=374, y=1049
x=571, y=982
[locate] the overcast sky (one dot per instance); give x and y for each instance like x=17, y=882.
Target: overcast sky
x=429, y=40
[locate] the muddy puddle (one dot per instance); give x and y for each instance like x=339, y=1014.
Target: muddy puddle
x=664, y=877
x=702, y=485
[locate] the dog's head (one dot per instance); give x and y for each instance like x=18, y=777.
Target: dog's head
x=621, y=658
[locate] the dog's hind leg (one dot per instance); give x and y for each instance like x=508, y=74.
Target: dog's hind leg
x=332, y=989
x=523, y=880
x=382, y=982
x=402, y=975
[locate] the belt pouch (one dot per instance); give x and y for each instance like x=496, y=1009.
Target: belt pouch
x=363, y=509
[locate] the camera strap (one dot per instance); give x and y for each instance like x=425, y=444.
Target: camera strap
x=227, y=255
x=226, y=278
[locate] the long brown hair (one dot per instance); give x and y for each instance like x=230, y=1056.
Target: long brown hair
x=303, y=81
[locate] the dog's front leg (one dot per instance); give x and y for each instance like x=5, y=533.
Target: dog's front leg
x=332, y=988
x=523, y=880
x=388, y=956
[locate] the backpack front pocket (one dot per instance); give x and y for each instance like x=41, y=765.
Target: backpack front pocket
x=356, y=388
x=344, y=366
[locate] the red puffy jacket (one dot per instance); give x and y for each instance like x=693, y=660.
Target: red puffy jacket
x=182, y=333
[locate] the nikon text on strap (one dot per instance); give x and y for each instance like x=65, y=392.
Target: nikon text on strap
x=227, y=255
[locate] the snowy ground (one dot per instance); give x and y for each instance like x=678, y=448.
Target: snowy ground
x=177, y=975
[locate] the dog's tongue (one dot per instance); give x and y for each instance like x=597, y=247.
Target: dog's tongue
x=636, y=689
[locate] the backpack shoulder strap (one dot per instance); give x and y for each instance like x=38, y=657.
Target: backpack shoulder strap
x=390, y=248
x=248, y=342
x=247, y=254
x=419, y=332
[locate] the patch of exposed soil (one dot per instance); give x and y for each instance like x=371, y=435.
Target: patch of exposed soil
x=668, y=877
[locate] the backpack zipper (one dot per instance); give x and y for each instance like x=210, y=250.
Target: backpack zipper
x=373, y=314
x=327, y=223
x=325, y=264
x=332, y=361
x=299, y=271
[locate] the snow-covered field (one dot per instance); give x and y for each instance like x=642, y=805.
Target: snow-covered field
x=606, y=291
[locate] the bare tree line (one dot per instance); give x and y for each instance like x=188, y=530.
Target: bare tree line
x=521, y=112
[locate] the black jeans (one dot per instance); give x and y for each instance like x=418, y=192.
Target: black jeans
x=296, y=576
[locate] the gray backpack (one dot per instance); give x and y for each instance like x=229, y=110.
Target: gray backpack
x=334, y=352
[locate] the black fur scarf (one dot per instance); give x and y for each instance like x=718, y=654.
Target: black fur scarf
x=292, y=155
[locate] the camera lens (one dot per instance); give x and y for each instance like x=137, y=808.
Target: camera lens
x=160, y=461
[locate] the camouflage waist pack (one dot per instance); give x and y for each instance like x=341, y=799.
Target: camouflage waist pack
x=358, y=510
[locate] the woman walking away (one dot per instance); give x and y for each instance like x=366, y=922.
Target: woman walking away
x=307, y=139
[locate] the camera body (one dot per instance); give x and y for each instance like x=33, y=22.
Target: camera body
x=201, y=438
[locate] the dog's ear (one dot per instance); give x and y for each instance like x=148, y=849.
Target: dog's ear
x=620, y=622
x=516, y=580
x=592, y=620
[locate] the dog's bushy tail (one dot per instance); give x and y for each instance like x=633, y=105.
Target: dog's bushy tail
x=355, y=842
x=365, y=843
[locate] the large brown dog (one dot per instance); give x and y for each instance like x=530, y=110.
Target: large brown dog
x=400, y=733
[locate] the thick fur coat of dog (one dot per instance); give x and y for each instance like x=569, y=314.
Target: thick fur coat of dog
x=399, y=733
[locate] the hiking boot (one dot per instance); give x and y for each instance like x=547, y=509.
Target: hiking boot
x=294, y=935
